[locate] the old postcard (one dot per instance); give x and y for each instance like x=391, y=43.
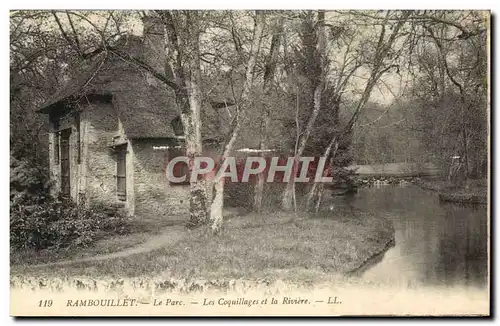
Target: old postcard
x=249, y=163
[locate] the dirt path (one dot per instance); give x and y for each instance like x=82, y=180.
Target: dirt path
x=168, y=237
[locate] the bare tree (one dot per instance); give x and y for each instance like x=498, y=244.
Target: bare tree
x=269, y=72
x=458, y=92
x=216, y=216
x=182, y=45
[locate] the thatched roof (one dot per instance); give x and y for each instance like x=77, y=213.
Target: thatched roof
x=74, y=87
x=89, y=76
x=145, y=105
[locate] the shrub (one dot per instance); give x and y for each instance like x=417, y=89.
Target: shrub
x=39, y=221
x=27, y=177
x=59, y=223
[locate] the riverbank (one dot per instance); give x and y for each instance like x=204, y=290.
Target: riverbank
x=251, y=247
x=473, y=192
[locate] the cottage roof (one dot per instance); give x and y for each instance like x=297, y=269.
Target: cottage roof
x=86, y=76
x=146, y=106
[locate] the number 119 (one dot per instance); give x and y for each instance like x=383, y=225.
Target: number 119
x=45, y=303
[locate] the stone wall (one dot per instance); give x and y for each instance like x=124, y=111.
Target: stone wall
x=99, y=126
x=54, y=167
x=93, y=177
x=154, y=196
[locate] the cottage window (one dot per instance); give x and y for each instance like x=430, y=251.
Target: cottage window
x=181, y=168
x=121, y=172
x=65, y=161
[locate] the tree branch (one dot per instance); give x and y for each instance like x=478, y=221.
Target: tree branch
x=75, y=35
x=444, y=61
x=65, y=35
x=145, y=66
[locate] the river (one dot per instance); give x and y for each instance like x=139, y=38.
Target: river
x=436, y=244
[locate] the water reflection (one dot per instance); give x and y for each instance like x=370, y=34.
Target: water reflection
x=435, y=244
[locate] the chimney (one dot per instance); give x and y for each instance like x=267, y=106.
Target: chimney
x=154, y=42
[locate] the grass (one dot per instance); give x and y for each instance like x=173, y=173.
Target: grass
x=139, y=231
x=252, y=247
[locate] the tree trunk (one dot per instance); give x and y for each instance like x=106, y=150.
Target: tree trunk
x=320, y=188
x=184, y=65
x=318, y=91
x=288, y=194
x=217, y=206
x=259, y=191
x=264, y=130
x=192, y=120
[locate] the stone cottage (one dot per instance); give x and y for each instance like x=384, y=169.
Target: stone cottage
x=114, y=127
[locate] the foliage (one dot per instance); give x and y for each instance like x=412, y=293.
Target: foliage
x=441, y=112
x=58, y=223
x=42, y=53
x=38, y=220
x=27, y=177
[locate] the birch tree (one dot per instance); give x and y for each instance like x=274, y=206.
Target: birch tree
x=242, y=105
x=182, y=45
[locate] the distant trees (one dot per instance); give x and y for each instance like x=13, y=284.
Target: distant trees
x=384, y=134
x=35, y=67
x=440, y=109
x=450, y=89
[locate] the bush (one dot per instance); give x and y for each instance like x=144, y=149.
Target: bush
x=38, y=220
x=27, y=177
x=59, y=223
